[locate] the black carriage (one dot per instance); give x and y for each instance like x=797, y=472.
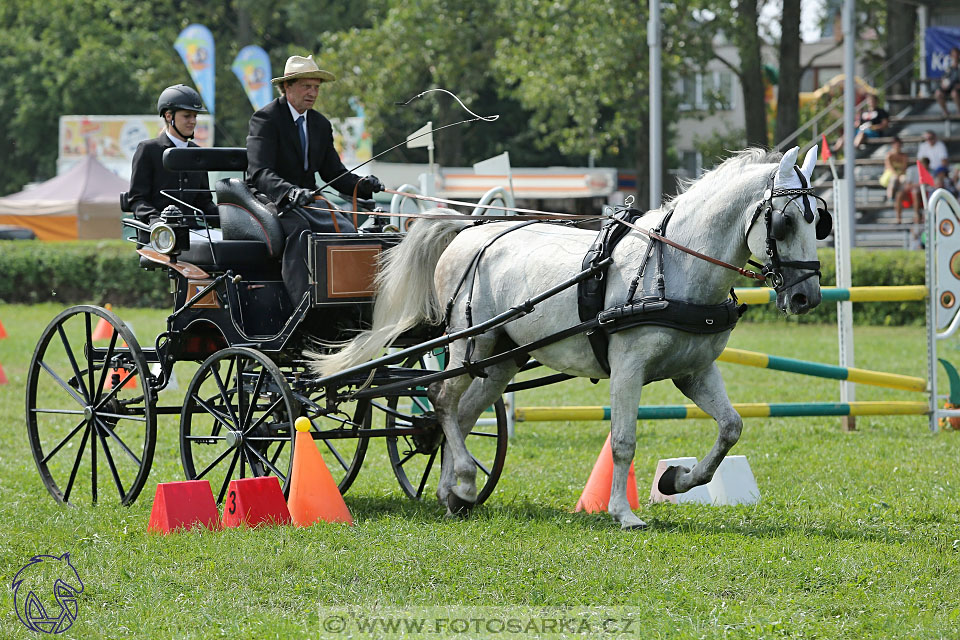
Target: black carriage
x=92, y=402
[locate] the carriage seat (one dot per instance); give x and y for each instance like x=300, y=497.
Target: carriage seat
x=243, y=216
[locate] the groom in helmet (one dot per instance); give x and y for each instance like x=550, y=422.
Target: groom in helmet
x=179, y=106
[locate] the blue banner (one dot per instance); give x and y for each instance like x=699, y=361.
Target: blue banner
x=939, y=41
x=252, y=68
x=195, y=46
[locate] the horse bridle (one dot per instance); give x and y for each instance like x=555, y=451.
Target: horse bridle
x=777, y=222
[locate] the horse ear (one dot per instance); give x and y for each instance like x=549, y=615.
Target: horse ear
x=787, y=163
x=809, y=162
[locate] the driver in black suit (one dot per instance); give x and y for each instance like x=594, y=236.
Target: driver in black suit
x=178, y=106
x=280, y=167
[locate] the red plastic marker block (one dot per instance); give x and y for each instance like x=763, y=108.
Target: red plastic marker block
x=255, y=501
x=183, y=505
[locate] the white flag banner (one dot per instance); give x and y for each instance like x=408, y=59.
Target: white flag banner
x=495, y=166
x=422, y=137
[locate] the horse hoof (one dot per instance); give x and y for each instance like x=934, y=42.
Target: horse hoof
x=668, y=481
x=634, y=526
x=458, y=507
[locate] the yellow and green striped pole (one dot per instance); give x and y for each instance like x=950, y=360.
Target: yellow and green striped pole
x=819, y=370
x=763, y=295
x=746, y=410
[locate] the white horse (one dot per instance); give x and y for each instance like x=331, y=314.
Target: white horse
x=728, y=214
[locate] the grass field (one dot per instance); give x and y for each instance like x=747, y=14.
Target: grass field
x=857, y=534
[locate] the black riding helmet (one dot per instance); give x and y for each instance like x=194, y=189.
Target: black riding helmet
x=179, y=97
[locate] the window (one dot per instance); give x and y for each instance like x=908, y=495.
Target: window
x=689, y=98
x=713, y=87
x=690, y=165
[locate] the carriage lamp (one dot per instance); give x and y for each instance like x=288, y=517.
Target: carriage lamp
x=169, y=235
x=163, y=238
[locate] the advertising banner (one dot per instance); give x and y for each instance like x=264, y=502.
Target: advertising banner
x=114, y=139
x=939, y=41
x=252, y=68
x=195, y=46
x=352, y=141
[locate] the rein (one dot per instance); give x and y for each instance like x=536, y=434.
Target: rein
x=653, y=235
x=553, y=215
x=536, y=214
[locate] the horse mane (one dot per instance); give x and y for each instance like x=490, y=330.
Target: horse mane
x=720, y=176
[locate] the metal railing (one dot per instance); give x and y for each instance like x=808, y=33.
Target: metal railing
x=813, y=123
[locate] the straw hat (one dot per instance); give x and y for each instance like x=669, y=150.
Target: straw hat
x=299, y=67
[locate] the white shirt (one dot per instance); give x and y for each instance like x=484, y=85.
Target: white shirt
x=936, y=152
x=177, y=142
x=306, y=136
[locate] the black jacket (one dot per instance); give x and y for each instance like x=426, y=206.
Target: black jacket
x=275, y=156
x=148, y=177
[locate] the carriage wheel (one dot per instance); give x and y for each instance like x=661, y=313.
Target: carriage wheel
x=237, y=420
x=91, y=418
x=414, y=457
x=343, y=445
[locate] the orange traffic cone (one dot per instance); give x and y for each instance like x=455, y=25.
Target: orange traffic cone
x=313, y=493
x=3, y=332
x=3, y=376
x=103, y=330
x=596, y=493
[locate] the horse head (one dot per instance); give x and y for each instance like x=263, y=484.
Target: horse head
x=784, y=229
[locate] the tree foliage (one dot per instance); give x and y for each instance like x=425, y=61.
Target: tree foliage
x=569, y=78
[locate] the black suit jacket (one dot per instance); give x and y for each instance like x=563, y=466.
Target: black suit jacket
x=148, y=177
x=275, y=155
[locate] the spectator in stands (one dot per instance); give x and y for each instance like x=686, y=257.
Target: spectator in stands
x=950, y=83
x=894, y=176
x=914, y=191
x=932, y=149
x=942, y=178
x=874, y=121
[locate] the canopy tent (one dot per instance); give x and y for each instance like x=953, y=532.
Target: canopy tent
x=84, y=202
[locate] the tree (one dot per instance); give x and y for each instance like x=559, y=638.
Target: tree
x=788, y=89
x=901, y=25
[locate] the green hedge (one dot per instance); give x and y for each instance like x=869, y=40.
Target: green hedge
x=108, y=271
x=84, y=271
x=869, y=269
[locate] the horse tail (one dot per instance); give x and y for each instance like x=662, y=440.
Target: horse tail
x=406, y=294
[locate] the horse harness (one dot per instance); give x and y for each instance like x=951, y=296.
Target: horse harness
x=777, y=222
x=659, y=310
x=655, y=310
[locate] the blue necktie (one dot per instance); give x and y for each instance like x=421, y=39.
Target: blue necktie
x=303, y=140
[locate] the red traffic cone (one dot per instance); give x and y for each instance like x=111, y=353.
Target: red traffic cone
x=255, y=501
x=3, y=376
x=313, y=493
x=183, y=505
x=103, y=330
x=596, y=493
x=3, y=332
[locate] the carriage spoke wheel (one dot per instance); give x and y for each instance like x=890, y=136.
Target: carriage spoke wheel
x=416, y=459
x=91, y=419
x=237, y=421
x=339, y=436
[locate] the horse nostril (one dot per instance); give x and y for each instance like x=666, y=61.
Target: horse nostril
x=799, y=301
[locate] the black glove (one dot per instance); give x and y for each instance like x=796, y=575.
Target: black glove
x=373, y=184
x=299, y=196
